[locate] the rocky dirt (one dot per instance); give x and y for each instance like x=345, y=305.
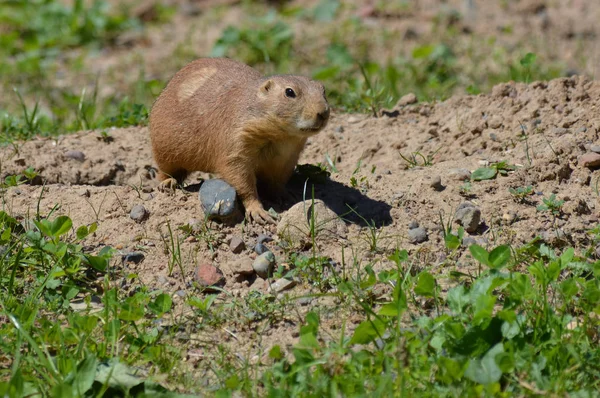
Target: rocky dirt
x=549, y=132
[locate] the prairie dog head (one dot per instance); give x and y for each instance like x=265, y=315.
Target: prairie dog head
x=297, y=104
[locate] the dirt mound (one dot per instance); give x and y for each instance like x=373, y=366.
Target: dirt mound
x=411, y=165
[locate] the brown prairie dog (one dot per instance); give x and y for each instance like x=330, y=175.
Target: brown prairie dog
x=220, y=116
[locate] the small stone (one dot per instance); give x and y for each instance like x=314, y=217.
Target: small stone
x=459, y=174
x=181, y=293
x=417, y=235
x=595, y=148
x=339, y=129
x=75, y=155
x=262, y=238
x=469, y=216
x=242, y=267
x=509, y=217
x=208, y=275
x=218, y=199
x=407, y=99
x=413, y=224
x=161, y=280
x=303, y=301
x=282, y=284
x=560, y=130
x=133, y=257
x=139, y=213
x=597, y=251
x=436, y=183
x=468, y=241
x=260, y=248
x=236, y=245
x=264, y=264
x=582, y=129
x=495, y=122
x=354, y=119
x=591, y=159
x=295, y=224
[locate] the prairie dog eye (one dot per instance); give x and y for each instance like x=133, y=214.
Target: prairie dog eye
x=290, y=93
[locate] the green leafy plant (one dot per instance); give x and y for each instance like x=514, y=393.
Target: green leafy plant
x=494, y=169
x=520, y=194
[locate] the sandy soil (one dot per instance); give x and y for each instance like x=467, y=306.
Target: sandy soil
x=543, y=129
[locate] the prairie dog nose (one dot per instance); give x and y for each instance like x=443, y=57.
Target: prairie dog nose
x=324, y=115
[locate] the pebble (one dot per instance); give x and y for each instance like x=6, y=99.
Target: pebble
x=468, y=215
x=495, y=122
x=436, y=183
x=133, y=257
x=595, y=148
x=303, y=301
x=242, y=267
x=75, y=155
x=262, y=238
x=218, y=199
x=260, y=248
x=139, y=213
x=591, y=159
x=295, y=226
x=468, y=241
x=181, y=293
x=339, y=129
x=236, y=245
x=263, y=265
x=407, y=99
x=413, y=224
x=509, y=217
x=417, y=235
x=282, y=284
x=208, y=275
x=597, y=251
x=459, y=174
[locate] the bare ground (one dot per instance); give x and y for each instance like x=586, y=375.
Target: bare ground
x=543, y=128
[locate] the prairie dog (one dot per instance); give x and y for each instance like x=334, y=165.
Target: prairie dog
x=220, y=116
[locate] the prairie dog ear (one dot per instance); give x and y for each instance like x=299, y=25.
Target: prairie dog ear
x=266, y=86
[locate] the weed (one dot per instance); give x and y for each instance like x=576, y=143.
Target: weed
x=413, y=159
x=490, y=172
x=520, y=194
x=552, y=205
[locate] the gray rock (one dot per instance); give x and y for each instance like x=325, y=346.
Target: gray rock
x=468, y=241
x=339, y=129
x=282, y=284
x=75, y=155
x=218, y=199
x=133, y=257
x=264, y=264
x=303, y=301
x=181, y=293
x=417, y=235
x=139, y=213
x=413, y=224
x=262, y=238
x=236, y=244
x=469, y=216
x=260, y=248
x=595, y=148
x=459, y=174
x=436, y=183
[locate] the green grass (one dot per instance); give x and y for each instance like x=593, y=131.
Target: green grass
x=523, y=322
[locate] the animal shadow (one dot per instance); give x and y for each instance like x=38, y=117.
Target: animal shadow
x=347, y=202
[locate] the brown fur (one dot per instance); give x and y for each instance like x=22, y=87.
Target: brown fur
x=220, y=116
